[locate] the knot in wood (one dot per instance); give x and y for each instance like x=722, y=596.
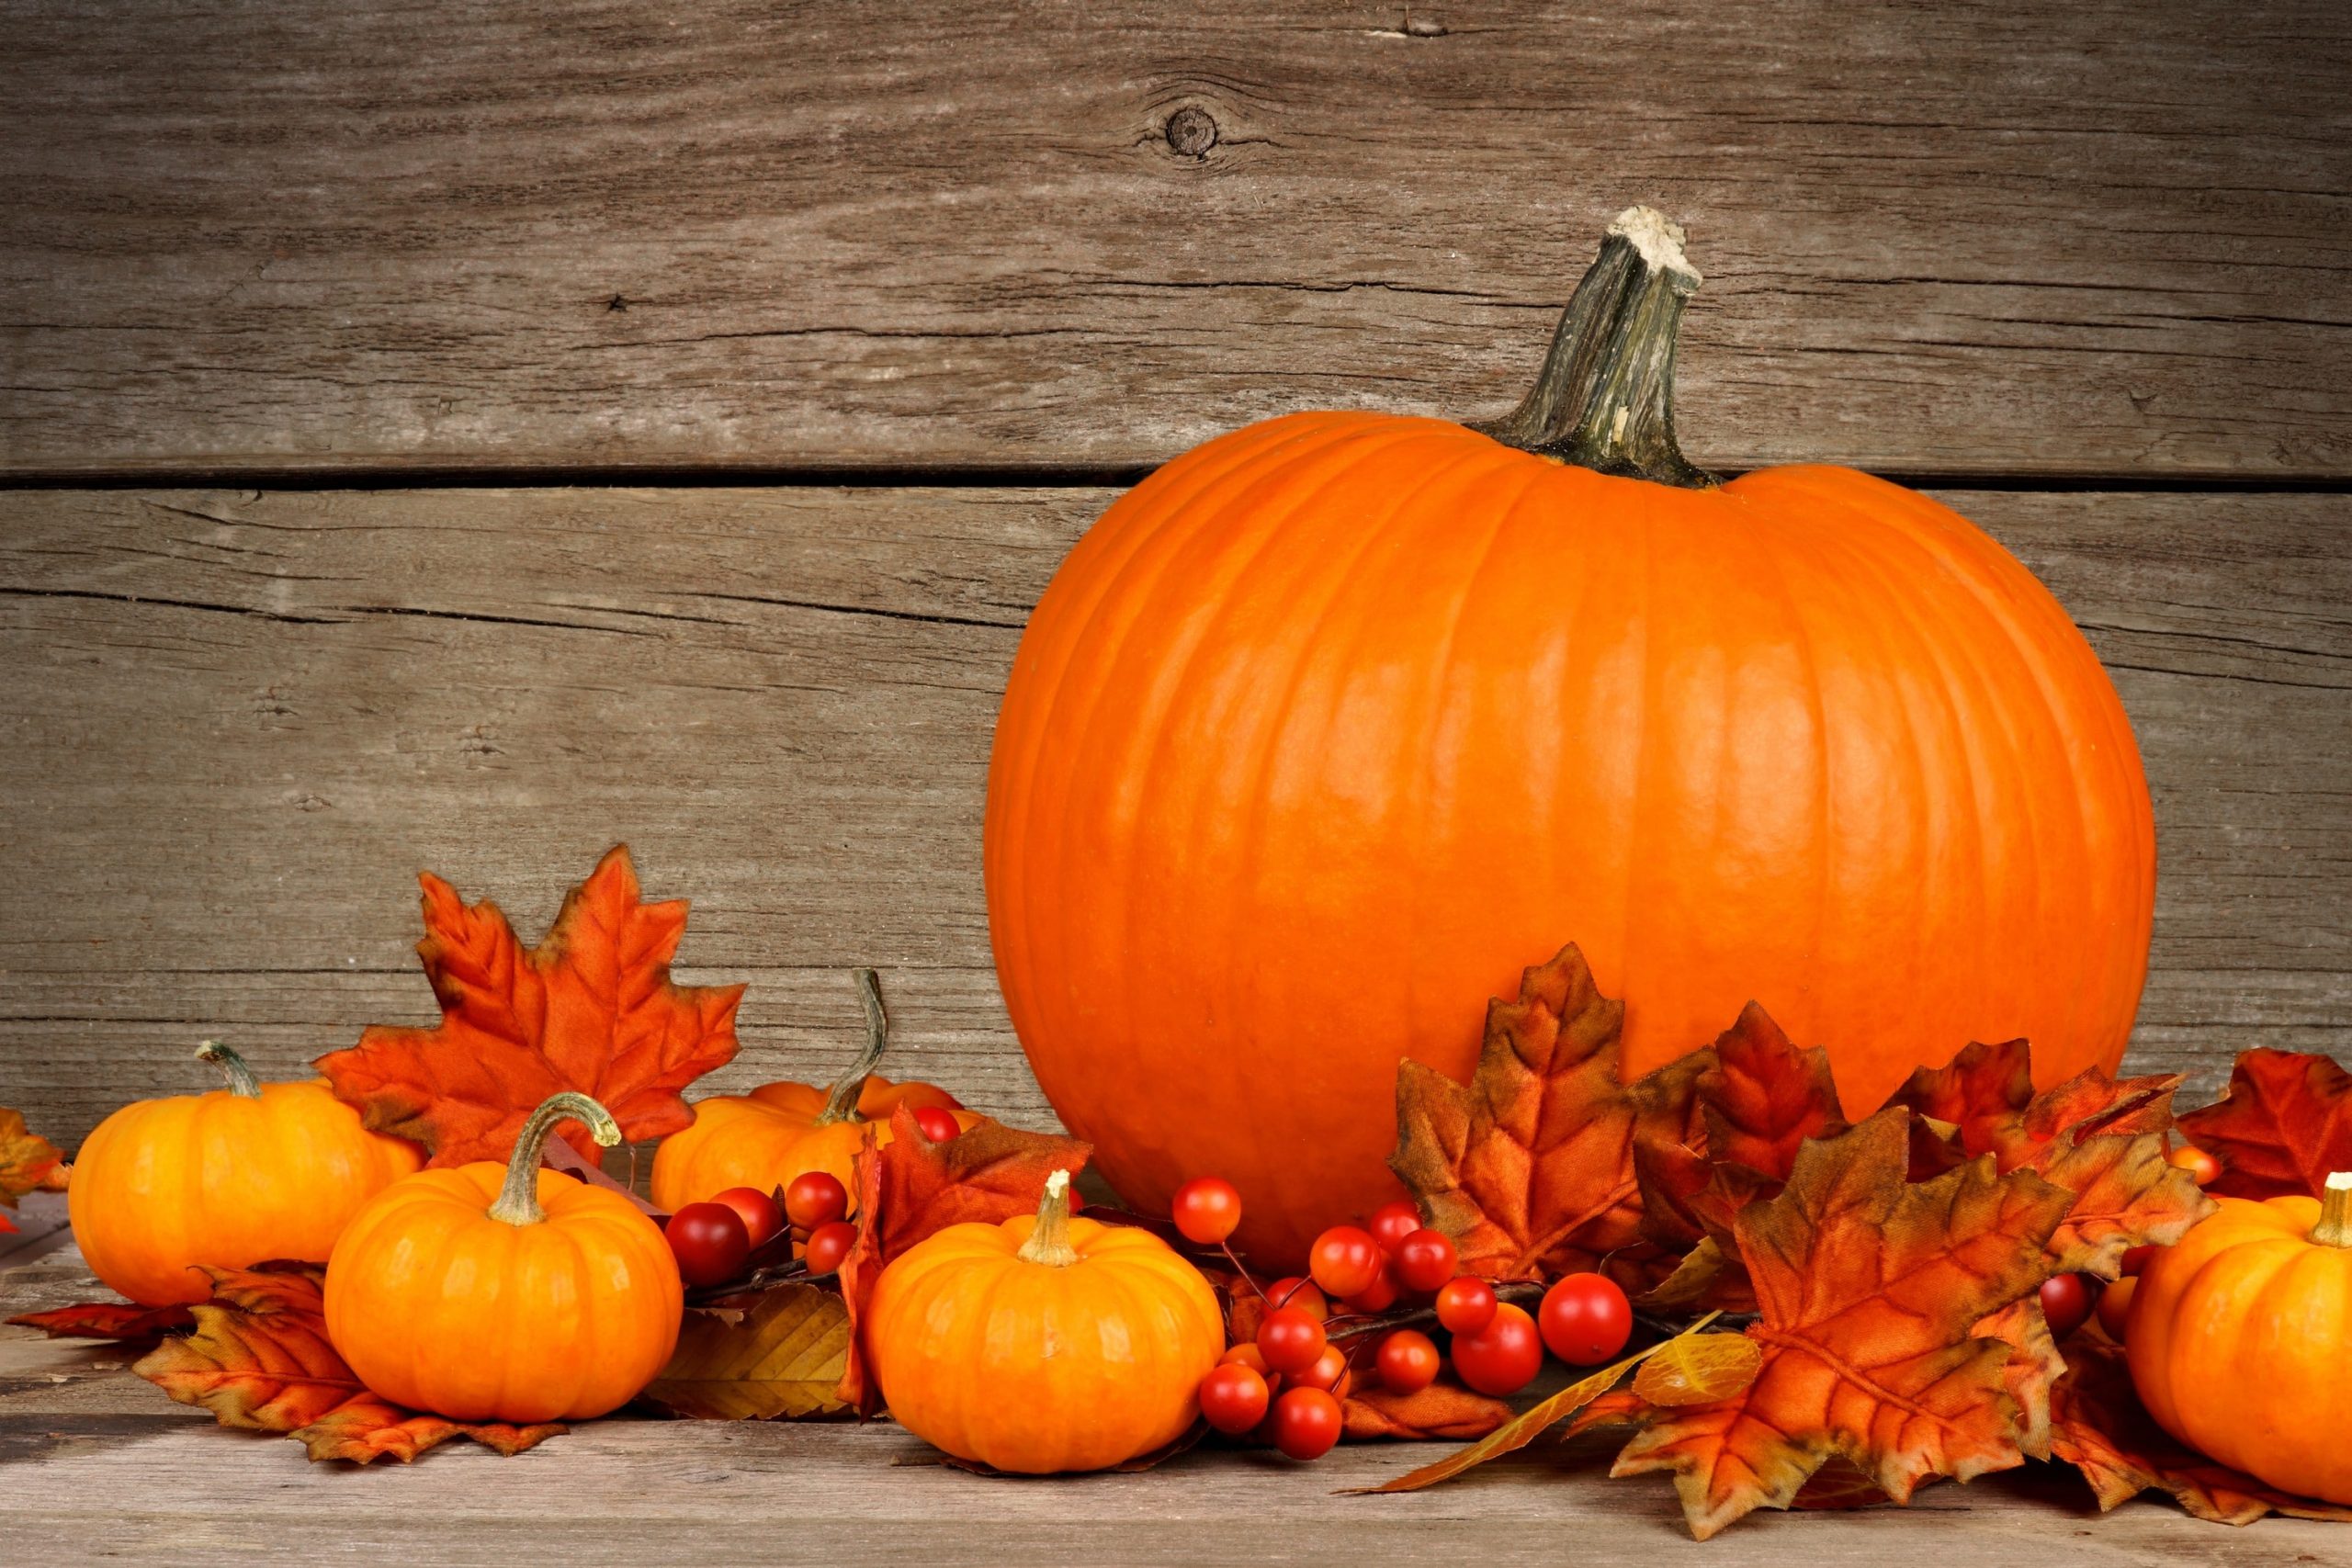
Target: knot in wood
x=1191, y=131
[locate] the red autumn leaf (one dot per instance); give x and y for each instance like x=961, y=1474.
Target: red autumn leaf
x=1759, y=1097
x=1870, y=1287
x=1442, y=1412
x=910, y=1187
x=260, y=1360
x=27, y=1164
x=2285, y=1124
x=2101, y=1428
x=591, y=1008
x=1530, y=1166
x=107, y=1320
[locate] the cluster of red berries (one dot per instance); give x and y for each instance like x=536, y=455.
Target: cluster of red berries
x=1288, y=1383
x=713, y=1240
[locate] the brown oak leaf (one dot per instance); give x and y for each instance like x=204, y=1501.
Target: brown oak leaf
x=1528, y=1166
x=107, y=1320
x=260, y=1360
x=781, y=1356
x=2285, y=1124
x=910, y=1187
x=1442, y=1412
x=591, y=1008
x=1869, y=1287
x=2100, y=1427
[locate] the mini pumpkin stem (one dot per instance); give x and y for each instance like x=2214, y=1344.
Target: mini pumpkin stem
x=519, y=1200
x=1049, y=1243
x=2334, y=1227
x=1605, y=398
x=233, y=1066
x=840, y=1105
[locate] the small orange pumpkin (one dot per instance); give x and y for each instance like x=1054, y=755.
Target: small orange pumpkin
x=1043, y=1344
x=229, y=1178
x=765, y=1138
x=506, y=1293
x=2238, y=1335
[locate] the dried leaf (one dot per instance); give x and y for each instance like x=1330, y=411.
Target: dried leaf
x=591, y=1008
x=260, y=1360
x=1530, y=1166
x=1837, y=1486
x=1529, y=1424
x=1764, y=1096
x=910, y=1187
x=1698, y=1369
x=107, y=1320
x=27, y=1164
x=783, y=1355
x=2034, y=1365
x=1869, y=1287
x=2285, y=1124
x=1442, y=1412
x=2100, y=1427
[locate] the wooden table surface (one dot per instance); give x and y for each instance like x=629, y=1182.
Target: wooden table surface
x=466, y=437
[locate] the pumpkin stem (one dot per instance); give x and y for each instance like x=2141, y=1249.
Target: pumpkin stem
x=2334, y=1227
x=1049, y=1243
x=840, y=1105
x=232, y=1068
x=519, y=1200
x=1605, y=398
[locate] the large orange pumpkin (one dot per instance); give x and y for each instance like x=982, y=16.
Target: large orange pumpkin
x=233, y=1177
x=506, y=1293
x=1332, y=724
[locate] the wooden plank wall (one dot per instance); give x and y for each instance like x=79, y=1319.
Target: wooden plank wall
x=463, y=437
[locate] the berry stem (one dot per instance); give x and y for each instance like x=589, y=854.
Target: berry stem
x=1249, y=1278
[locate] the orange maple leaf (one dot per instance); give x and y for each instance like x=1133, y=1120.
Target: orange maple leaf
x=910, y=1187
x=1530, y=1166
x=2285, y=1124
x=2101, y=1428
x=591, y=1008
x=1869, y=1287
x=260, y=1360
x=29, y=1163
x=1442, y=1412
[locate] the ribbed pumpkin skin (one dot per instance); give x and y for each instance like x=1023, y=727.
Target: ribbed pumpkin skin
x=439, y=1307
x=765, y=1138
x=1330, y=727
x=1034, y=1368
x=224, y=1180
x=2238, y=1338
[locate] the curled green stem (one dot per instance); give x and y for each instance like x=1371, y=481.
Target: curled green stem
x=519, y=1200
x=233, y=1066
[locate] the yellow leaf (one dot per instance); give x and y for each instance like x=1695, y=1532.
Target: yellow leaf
x=1698, y=1367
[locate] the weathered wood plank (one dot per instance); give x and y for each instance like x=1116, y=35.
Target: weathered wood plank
x=239, y=724
x=1983, y=237
x=75, y=1423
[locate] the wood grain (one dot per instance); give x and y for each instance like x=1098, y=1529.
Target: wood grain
x=74, y=1423
x=1985, y=237
x=241, y=723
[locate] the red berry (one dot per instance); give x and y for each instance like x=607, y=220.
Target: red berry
x=2201, y=1166
x=1379, y=1298
x=1291, y=1339
x=1425, y=1261
x=1407, y=1361
x=711, y=1243
x=1206, y=1209
x=1392, y=1223
x=1234, y=1397
x=1292, y=1291
x=1502, y=1358
x=2066, y=1302
x=828, y=1245
x=1586, y=1319
x=1330, y=1367
x=937, y=1123
x=1307, y=1423
x=1466, y=1304
x=2115, y=1307
x=1345, y=1261
x=2136, y=1259
x=816, y=1198
x=760, y=1213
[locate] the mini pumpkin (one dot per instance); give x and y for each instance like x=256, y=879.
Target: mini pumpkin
x=765, y=1138
x=491, y=1292
x=1044, y=1343
x=2238, y=1336
x=229, y=1178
